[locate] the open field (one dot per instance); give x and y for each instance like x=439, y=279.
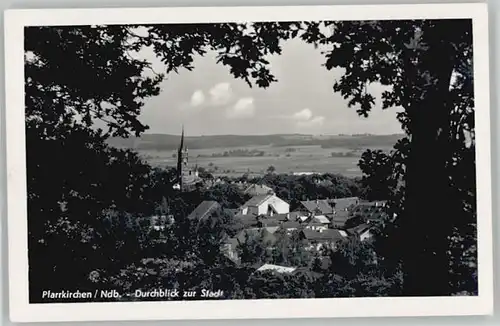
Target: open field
x=284, y=159
x=234, y=155
x=171, y=142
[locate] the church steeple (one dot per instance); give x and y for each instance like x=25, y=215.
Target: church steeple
x=181, y=146
x=180, y=159
x=186, y=177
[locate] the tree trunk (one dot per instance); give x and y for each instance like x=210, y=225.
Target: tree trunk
x=428, y=211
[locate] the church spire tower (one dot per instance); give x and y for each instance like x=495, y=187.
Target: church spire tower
x=182, y=160
x=186, y=176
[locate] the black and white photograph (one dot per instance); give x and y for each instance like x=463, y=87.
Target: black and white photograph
x=247, y=159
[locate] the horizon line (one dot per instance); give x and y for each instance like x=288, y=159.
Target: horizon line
x=261, y=135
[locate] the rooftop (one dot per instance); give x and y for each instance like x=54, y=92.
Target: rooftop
x=326, y=235
x=290, y=225
x=256, y=189
x=265, y=234
x=268, y=222
x=203, y=210
x=321, y=219
x=257, y=200
x=317, y=206
x=276, y=268
x=344, y=203
x=282, y=217
x=359, y=229
x=248, y=219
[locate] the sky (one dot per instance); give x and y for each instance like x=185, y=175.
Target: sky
x=210, y=101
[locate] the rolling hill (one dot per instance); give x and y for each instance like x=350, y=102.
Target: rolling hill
x=171, y=142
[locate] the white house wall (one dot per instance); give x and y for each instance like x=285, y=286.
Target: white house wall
x=281, y=206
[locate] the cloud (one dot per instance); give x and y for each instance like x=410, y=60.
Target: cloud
x=315, y=122
x=198, y=98
x=243, y=108
x=303, y=115
x=220, y=94
x=306, y=120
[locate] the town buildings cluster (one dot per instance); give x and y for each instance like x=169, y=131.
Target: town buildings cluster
x=322, y=223
x=319, y=223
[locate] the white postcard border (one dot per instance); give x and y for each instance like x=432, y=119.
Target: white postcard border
x=22, y=311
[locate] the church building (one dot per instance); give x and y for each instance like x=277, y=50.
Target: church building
x=186, y=177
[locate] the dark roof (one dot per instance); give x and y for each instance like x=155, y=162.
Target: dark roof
x=269, y=222
x=232, y=211
x=317, y=206
x=376, y=216
x=296, y=214
x=315, y=223
x=256, y=190
x=330, y=235
x=339, y=216
x=306, y=271
x=259, y=233
x=203, y=210
x=359, y=229
x=369, y=211
x=271, y=229
x=290, y=225
x=321, y=219
x=377, y=203
x=248, y=219
x=281, y=217
x=231, y=241
x=256, y=200
x=344, y=203
x=246, y=216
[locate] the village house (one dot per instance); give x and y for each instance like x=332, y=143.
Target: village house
x=265, y=235
x=265, y=221
x=344, y=204
x=291, y=226
x=160, y=222
x=316, y=226
x=300, y=216
x=204, y=211
x=318, y=240
x=299, y=271
x=282, y=217
x=258, y=190
x=248, y=220
x=276, y=268
x=370, y=211
x=322, y=219
x=305, y=173
x=339, y=219
x=316, y=207
x=362, y=232
x=293, y=216
x=318, y=223
x=229, y=249
x=265, y=205
x=231, y=211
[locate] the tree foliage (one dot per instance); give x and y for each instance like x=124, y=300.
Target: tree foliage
x=98, y=197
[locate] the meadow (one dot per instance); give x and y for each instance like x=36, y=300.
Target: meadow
x=284, y=159
x=234, y=155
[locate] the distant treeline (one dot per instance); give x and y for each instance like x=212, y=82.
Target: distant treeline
x=171, y=142
x=237, y=153
x=346, y=154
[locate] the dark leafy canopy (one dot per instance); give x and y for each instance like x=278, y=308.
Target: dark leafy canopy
x=428, y=67
x=75, y=75
x=113, y=83
x=78, y=76
x=82, y=77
